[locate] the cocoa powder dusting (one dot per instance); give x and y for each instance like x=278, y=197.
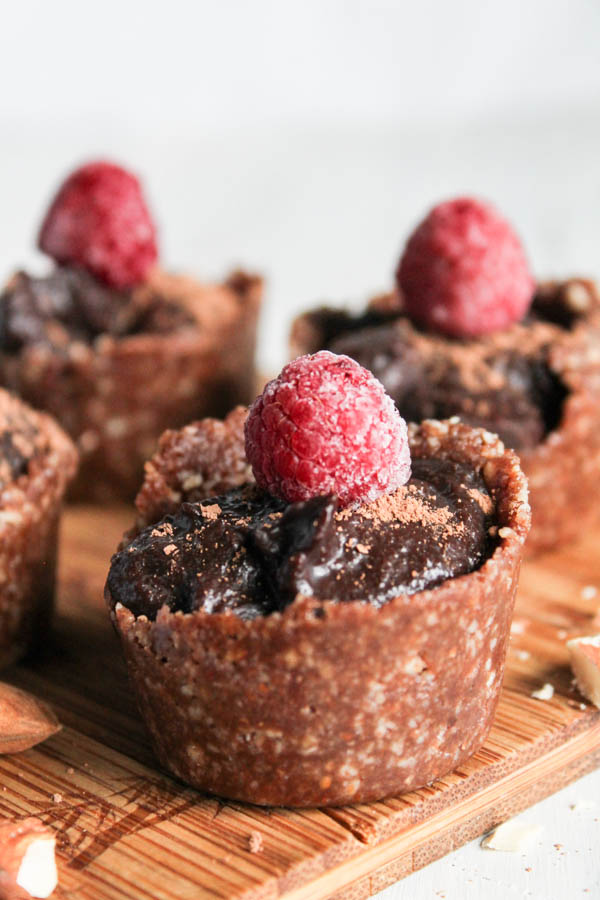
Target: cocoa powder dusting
x=403, y=505
x=211, y=512
x=256, y=557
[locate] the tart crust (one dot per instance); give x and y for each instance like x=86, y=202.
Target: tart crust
x=116, y=396
x=330, y=703
x=29, y=514
x=564, y=469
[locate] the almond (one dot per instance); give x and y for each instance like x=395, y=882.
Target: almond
x=27, y=859
x=585, y=662
x=24, y=720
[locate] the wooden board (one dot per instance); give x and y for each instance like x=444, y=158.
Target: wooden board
x=127, y=830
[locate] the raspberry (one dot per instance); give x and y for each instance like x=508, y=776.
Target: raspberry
x=464, y=271
x=99, y=220
x=326, y=426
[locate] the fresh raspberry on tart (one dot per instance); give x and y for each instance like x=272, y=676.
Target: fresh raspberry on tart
x=464, y=272
x=99, y=220
x=326, y=426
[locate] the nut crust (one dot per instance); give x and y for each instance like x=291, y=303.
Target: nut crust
x=201, y=460
x=117, y=396
x=564, y=470
x=271, y=711
x=29, y=513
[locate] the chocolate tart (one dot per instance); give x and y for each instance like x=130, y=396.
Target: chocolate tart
x=117, y=368
x=37, y=461
x=291, y=699
x=536, y=384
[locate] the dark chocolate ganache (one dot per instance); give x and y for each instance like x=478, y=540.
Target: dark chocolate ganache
x=252, y=554
x=70, y=304
x=502, y=382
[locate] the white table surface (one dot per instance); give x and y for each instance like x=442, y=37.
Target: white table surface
x=323, y=210
x=562, y=864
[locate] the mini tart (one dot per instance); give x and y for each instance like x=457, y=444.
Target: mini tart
x=37, y=461
x=563, y=332
x=115, y=393
x=327, y=703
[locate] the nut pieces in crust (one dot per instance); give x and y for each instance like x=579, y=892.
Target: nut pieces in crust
x=37, y=462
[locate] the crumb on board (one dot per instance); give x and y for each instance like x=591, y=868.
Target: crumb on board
x=255, y=842
x=546, y=692
x=580, y=805
x=57, y=798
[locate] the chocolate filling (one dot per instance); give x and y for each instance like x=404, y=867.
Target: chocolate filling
x=69, y=304
x=252, y=554
x=525, y=405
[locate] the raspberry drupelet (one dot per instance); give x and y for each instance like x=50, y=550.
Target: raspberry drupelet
x=326, y=426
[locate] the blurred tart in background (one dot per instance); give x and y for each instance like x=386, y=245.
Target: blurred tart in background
x=115, y=348
x=37, y=462
x=467, y=332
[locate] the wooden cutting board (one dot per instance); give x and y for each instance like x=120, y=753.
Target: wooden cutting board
x=127, y=830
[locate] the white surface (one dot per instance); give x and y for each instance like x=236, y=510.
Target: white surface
x=195, y=65
x=304, y=139
x=563, y=864
x=322, y=209
x=38, y=874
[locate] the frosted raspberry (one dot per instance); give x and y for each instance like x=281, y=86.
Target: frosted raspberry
x=99, y=220
x=326, y=426
x=464, y=271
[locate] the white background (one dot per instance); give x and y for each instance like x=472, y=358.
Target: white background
x=304, y=139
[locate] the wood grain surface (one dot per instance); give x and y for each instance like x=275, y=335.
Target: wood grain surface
x=127, y=830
